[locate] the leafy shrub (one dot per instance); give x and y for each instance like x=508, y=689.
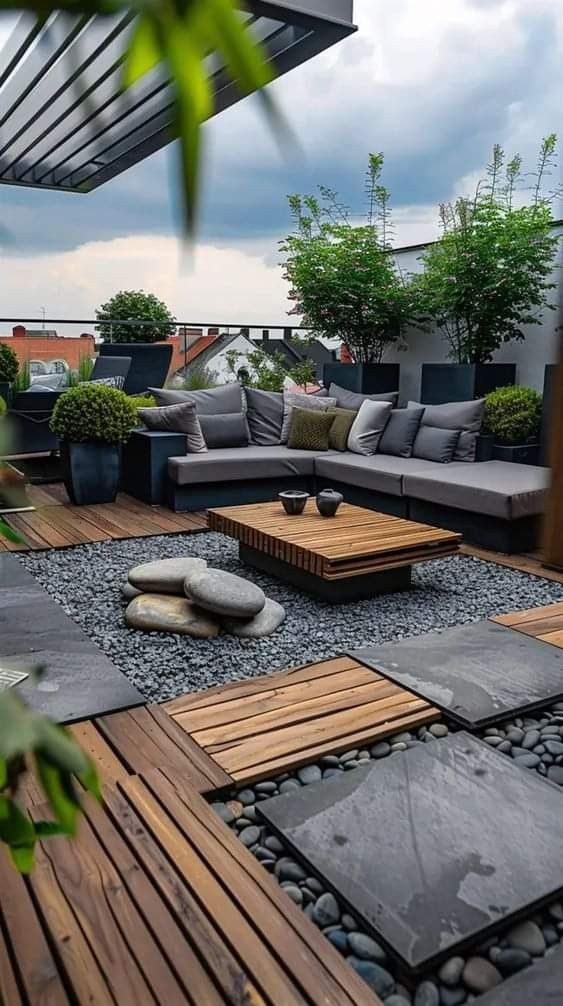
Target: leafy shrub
x=94, y=413
x=143, y=401
x=3, y=407
x=197, y=379
x=8, y=364
x=513, y=415
x=130, y=306
x=22, y=379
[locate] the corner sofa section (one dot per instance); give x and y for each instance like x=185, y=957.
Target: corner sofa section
x=493, y=503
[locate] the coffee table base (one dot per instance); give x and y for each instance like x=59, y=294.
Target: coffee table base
x=352, y=588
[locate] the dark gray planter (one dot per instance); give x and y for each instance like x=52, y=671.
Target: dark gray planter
x=363, y=378
x=521, y=454
x=550, y=377
x=461, y=382
x=91, y=472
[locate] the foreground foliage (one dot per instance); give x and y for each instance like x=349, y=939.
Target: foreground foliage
x=344, y=280
x=513, y=415
x=489, y=274
x=94, y=413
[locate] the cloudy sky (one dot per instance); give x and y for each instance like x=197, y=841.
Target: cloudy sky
x=431, y=84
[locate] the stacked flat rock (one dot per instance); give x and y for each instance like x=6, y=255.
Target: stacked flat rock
x=184, y=596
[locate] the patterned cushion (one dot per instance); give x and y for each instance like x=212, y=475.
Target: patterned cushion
x=343, y=419
x=111, y=382
x=310, y=429
x=293, y=399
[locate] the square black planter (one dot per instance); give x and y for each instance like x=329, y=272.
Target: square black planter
x=363, y=378
x=521, y=454
x=462, y=382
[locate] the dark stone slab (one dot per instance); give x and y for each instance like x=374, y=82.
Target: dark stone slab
x=434, y=848
x=477, y=673
x=79, y=680
x=540, y=985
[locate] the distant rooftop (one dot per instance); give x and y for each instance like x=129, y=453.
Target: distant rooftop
x=66, y=124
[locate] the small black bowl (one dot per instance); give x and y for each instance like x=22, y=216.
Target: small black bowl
x=293, y=500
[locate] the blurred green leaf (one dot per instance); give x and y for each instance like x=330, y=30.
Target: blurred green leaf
x=18, y=832
x=144, y=51
x=59, y=791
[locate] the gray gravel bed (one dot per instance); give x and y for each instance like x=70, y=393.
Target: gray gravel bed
x=86, y=581
x=461, y=978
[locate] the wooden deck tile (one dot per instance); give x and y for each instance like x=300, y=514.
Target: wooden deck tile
x=283, y=720
x=545, y=623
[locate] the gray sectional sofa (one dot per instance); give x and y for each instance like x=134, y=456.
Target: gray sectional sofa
x=493, y=503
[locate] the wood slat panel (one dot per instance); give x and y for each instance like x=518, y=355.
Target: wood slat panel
x=545, y=623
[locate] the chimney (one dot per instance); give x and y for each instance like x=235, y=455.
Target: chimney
x=266, y=334
x=19, y=332
x=287, y=335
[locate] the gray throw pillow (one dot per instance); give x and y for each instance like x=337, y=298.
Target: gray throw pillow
x=352, y=400
x=293, y=399
x=179, y=418
x=399, y=434
x=368, y=427
x=433, y=444
x=265, y=416
x=225, y=430
x=208, y=401
x=466, y=417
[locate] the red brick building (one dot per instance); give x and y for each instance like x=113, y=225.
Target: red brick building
x=46, y=347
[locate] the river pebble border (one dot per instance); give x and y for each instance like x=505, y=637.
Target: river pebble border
x=462, y=978
x=535, y=742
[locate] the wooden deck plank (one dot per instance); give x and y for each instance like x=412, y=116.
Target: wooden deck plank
x=544, y=623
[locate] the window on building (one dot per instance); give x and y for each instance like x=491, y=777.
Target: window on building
x=38, y=367
x=58, y=367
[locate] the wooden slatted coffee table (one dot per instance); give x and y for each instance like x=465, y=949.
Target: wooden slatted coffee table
x=356, y=554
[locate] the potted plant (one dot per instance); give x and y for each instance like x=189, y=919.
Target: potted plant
x=345, y=283
x=8, y=371
x=92, y=421
x=487, y=277
x=513, y=418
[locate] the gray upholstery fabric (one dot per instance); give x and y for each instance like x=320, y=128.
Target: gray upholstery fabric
x=368, y=427
x=233, y=464
x=352, y=400
x=380, y=472
x=399, y=434
x=496, y=488
x=208, y=402
x=464, y=416
x=293, y=399
x=265, y=416
x=179, y=418
x=434, y=444
x=229, y=429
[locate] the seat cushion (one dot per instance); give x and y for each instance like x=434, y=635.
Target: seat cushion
x=232, y=464
x=380, y=472
x=495, y=488
x=464, y=416
x=208, y=401
x=265, y=416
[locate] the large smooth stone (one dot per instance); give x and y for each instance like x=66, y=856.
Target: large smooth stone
x=224, y=593
x=128, y=591
x=165, y=576
x=161, y=613
x=263, y=624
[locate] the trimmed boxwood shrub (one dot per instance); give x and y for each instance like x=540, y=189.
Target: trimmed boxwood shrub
x=94, y=413
x=513, y=415
x=143, y=401
x=8, y=364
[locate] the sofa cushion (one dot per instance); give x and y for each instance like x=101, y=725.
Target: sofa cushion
x=232, y=465
x=434, y=444
x=495, y=488
x=229, y=429
x=464, y=416
x=180, y=418
x=399, y=434
x=310, y=429
x=265, y=416
x=340, y=429
x=294, y=399
x=352, y=400
x=208, y=401
x=380, y=472
x=368, y=427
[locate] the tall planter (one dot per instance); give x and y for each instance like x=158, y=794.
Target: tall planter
x=550, y=376
x=363, y=378
x=91, y=472
x=462, y=382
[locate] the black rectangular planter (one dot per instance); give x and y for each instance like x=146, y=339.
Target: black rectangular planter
x=363, y=378
x=521, y=454
x=462, y=382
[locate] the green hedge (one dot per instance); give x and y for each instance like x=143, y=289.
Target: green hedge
x=94, y=413
x=513, y=415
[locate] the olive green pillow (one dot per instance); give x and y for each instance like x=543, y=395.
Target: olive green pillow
x=310, y=430
x=338, y=439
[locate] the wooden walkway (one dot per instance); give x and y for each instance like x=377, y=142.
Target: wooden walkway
x=56, y=523
x=267, y=725
x=542, y=623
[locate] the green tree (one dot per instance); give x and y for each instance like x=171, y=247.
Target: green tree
x=135, y=306
x=8, y=364
x=268, y=371
x=489, y=273
x=343, y=278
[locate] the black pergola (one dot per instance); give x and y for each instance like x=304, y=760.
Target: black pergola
x=65, y=121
